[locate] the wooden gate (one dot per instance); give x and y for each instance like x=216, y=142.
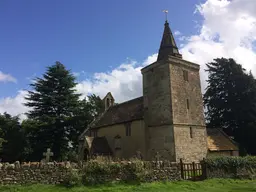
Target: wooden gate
x=193, y=171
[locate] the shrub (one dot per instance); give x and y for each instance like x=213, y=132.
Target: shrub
x=248, y=162
x=135, y=171
x=73, y=178
x=232, y=167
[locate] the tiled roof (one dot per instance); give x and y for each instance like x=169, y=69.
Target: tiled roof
x=123, y=112
x=219, y=141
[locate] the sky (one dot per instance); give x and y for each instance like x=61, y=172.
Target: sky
x=106, y=43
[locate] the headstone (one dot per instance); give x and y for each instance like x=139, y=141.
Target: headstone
x=68, y=165
x=17, y=165
x=47, y=155
x=138, y=155
x=157, y=159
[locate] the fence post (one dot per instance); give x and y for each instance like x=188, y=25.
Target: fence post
x=194, y=170
x=204, y=169
x=181, y=169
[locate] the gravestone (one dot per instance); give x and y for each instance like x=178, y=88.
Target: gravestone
x=48, y=154
x=157, y=159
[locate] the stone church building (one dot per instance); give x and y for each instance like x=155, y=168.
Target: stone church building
x=168, y=120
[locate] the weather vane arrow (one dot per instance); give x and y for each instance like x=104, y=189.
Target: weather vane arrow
x=166, y=14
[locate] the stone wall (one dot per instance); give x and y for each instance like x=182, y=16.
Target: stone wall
x=26, y=173
x=188, y=116
x=90, y=172
x=190, y=143
x=129, y=144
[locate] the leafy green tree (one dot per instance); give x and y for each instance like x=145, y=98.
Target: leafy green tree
x=230, y=101
x=87, y=111
x=33, y=148
x=53, y=102
x=12, y=138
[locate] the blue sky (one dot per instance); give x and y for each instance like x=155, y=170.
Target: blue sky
x=89, y=36
x=107, y=42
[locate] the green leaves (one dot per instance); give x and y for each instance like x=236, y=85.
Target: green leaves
x=57, y=116
x=53, y=102
x=227, y=163
x=12, y=139
x=230, y=101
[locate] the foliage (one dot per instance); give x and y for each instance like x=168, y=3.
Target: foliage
x=213, y=185
x=230, y=102
x=72, y=179
x=12, y=138
x=53, y=101
x=57, y=116
x=248, y=162
x=89, y=108
x=95, y=172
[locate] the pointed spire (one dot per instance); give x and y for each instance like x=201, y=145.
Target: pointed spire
x=168, y=46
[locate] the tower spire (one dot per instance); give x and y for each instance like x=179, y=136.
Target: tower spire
x=168, y=45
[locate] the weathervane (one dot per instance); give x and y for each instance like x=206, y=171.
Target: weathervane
x=166, y=14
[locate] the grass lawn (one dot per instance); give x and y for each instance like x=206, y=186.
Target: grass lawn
x=216, y=185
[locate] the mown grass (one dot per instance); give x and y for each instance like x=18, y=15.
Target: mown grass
x=215, y=185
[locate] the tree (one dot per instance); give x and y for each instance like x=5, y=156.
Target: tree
x=12, y=138
x=230, y=101
x=87, y=111
x=53, y=102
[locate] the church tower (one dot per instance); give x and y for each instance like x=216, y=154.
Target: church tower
x=173, y=105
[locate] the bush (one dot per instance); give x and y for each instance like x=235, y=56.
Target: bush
x=248, y=162
x=231, y=167
x=135, y=171
x=98, y=172
x=73, y=178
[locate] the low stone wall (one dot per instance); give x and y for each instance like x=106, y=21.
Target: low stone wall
x=88, y=173
x=35, y=172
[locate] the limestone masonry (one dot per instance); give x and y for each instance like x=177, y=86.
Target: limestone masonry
x=168, y=120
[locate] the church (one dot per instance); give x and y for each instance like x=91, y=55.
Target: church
x=167, y=121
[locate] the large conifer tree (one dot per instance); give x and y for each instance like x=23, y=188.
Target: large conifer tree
x=53, y=102
x=230, y=101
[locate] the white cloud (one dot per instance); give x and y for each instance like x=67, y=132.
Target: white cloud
x=228, y=29
x=124, y=82
x=14, y=105
x=177, y=33
x=6, y=78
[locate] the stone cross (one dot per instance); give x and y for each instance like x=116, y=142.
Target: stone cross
x=47, y=155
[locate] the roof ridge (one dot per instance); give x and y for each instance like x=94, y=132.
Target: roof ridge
x=126, y=102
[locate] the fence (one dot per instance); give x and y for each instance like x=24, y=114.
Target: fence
x=193, y=171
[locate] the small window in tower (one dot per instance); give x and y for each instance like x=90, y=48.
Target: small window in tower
x=128, y=129
x=185, y=75
x=191, y=132
x=187, y=103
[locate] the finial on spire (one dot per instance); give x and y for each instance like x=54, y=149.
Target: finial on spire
x=166, y=14
x=168, y=45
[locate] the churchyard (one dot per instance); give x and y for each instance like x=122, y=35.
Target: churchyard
x=105, y=174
